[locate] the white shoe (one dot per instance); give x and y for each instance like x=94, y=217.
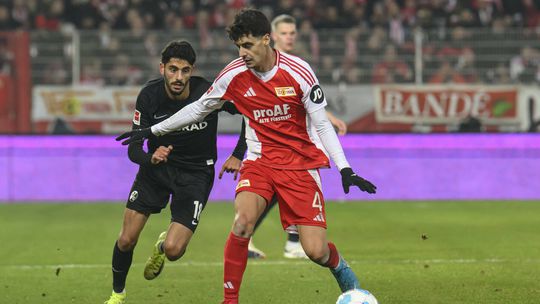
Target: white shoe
x=254, y=252
x=294, y=250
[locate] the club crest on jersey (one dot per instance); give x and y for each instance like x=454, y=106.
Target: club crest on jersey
x=316, y=95
x=243, y=183
x=285, y=91
x=278, y=113
x=133, y=196
x=137, y=118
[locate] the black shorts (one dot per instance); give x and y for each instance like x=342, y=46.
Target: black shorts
x=187, y=189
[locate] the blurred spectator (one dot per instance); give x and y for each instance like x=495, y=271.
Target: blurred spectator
x=6, y=58
x=124, y=73
x=532, y=13
x=91, y=73
x=447, y=74
x=6, y=22
x=50, y=16
x=307, y=45
x=499, y=75
x=55, y=72
x=466, y=65
x=391, y=69
x=524, y=68
x=22, y=12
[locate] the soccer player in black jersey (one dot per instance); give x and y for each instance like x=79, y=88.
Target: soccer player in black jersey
x=178, y=167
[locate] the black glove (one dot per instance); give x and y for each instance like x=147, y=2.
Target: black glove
x=349, y=178
x=134, y=135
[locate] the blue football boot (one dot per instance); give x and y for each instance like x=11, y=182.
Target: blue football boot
x=345, y=277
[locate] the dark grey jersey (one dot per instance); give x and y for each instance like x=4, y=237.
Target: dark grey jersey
x=194, y=145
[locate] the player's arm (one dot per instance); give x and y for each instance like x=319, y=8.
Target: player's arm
x=339, y=124
x=194, y=112
x=332, y=145
x=136, y=152
x=315, y=103
x=234, y=161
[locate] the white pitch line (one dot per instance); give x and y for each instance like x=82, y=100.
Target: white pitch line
x=278, y=263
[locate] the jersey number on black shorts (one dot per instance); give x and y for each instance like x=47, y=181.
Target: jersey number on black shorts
x=197, y=212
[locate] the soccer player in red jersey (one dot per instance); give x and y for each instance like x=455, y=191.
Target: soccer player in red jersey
x=284, y=35
x=282, y=104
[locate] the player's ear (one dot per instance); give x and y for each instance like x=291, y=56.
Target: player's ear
x=266, y=39
x=162, y=68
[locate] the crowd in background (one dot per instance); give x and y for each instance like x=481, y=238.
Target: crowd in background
x=356, y=41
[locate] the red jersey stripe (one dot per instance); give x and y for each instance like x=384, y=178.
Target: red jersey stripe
x=302, y=74
x=298, y=65
x=228, y=69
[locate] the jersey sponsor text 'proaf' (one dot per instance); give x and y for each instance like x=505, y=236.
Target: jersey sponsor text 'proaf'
x=279, y=112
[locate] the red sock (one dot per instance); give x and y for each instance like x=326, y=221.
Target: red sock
x=235, y=261
x=333, y=260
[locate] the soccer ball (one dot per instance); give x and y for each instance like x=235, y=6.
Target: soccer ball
x=356, y=296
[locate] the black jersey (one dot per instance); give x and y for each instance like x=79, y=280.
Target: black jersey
x=194, y=145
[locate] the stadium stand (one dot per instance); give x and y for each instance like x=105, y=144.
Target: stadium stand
x=355, y=41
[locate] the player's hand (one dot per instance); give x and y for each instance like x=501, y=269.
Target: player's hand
x=161, y=154
x=349, y=178
x=232, y=164
x=134, y=135
x=339, y=124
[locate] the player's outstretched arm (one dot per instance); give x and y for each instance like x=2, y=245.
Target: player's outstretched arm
x=134, y=135
x=332, y=145
x=191, y=113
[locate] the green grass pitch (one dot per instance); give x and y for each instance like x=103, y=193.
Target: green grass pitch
x=404, y=252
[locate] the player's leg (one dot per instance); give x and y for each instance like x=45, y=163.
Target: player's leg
x=302, y=207
x=293, y=249
x=253, y=251
x=253, y=192
x=191, y=189
x=132, y=226
x=248, y=207
x=171, y=244
x=324, y=253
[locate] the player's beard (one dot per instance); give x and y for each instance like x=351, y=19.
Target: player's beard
x=170, y=87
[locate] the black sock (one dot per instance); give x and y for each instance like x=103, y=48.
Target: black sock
x=293, y=237
x=121, y=261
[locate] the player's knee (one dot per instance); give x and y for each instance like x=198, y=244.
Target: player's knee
x=318, y=254
x=243, y=226
x=173, y=251
x=126, y=242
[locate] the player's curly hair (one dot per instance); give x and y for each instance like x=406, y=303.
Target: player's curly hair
x=249, y=21
x=180, y=49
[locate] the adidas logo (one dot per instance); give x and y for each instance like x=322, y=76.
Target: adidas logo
x=250, y=93
x=319, y=218
x=228, y=285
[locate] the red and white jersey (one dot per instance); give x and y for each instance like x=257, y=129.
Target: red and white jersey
x=275, y=105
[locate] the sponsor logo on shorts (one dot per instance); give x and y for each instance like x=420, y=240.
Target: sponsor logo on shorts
x=133, y=196
x=243, y=183
x=137, y=118
x=285, y=91
x=319, y=218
